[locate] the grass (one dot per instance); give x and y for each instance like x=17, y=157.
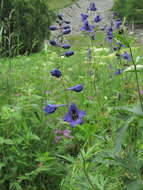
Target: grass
x=106, y=150
x=57, y=5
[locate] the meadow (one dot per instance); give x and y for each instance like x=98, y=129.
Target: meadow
x=73, y=121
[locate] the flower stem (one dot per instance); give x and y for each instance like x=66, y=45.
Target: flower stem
x=86, y=173
x=137, y=78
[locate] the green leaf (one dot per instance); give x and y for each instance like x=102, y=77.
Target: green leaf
x=121, y=135
x=136, y=109
x=6, y=141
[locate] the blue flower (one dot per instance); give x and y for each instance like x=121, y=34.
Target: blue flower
x=87, y=27
x=97, y=19
x=67, y=31
x=74, y=116
x=109, y=34
x=68, y=53
x=118, y=23
x=92, y=7
x=53, y=28
x=66, y=27
x=56, y=73
x=66, y=46
x=50, y=108
x=84, y=16
x=77, y=88
x=53, y=42
x=126, y=56
x=118, y=71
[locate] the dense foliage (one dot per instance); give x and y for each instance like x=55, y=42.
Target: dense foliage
x=131, y=9
x=23, y=25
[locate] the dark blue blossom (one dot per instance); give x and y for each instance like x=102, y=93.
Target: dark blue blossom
x=118, y=23
x=68, y=53
x=84, y=16
x=97, y=19
x=109, y=31
x=87, y=27
x=53, y=28
x=67, y=31
x=66, y=46
x=109, y=34
x=74, y=116
x=66, y=27
x=120, y=44
x=53, y=42
x=126, y=56
x=77, y=88
x=56, y=73
x=92, y=7
x=118, y=71
x=51, y=108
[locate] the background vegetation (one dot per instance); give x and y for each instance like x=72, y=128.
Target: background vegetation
x=23, y=25
x=131, y=9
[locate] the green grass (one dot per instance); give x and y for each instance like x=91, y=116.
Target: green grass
x=56, y=5
x=32, y=159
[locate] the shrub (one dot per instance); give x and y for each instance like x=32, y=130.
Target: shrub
x=131, y=9
x=23, y=25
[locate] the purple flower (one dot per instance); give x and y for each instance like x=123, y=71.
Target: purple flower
x=68, y=53
x=56, y=73
x=92, y=7
x=50, y=108
x=57, y=138
x=66, y=27
x=53, y=42
x=126, y=56
x=120, y=44
x=53, y=28
x=141, y=92
x=118, y=71
x=67, y=133
x=66, y=46
x=109, y=34
x=84, y=16
x=74, y=116
x=97, y=19
x=118, y=23
x=77, y=88
x=87, y=27
x=109, y=31
x=67, y=31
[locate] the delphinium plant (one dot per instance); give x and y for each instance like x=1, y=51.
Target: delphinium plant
x=74, y=116
x=124, y=157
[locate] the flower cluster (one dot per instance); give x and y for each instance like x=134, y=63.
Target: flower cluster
x=74, y=116
x=87, y=27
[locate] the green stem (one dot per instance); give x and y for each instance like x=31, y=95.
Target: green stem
x=136, y=75
x=86, y=173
